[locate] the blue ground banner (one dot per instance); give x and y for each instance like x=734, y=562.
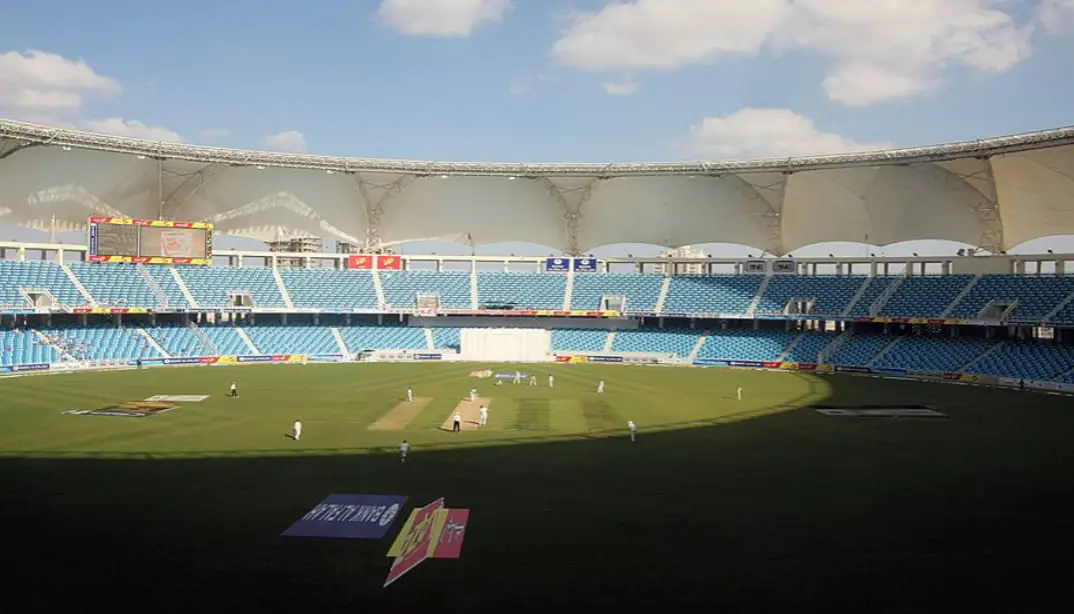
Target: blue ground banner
x=428, y=356
x=349, y=517
x=34, y=367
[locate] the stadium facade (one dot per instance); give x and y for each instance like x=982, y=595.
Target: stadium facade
x=1001, y=320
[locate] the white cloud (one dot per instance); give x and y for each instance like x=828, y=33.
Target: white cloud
x=441, y=18
x=37, y=81
x=524, y=84
x=761, y=133
x=877, y=49
x=213, y=135
x=291, y=141
x=620, y=88
x=132, y=128
x=1056, y=15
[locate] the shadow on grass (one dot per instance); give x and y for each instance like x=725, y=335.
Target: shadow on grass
x=785, y=510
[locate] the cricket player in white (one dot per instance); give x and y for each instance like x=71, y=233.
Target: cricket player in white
x=551, y=382
x=518, y=377
x=410, y=395
x=296, y=430
x=403, y=449
x=483, y=416
x=740, y=393
x=456, y=423
x=473, y=395
x=533, y=380
x=234, y=390
x=600, y=387
x=633, y=428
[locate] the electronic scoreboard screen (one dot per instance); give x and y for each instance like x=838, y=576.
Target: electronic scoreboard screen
x=149, y=241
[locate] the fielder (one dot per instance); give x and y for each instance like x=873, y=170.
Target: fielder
x=403, y=449
x=473, y=395
x=551, y=382
x=483, y=416
x=234, y=391
x=410, y=395
x=533, y=380
x=456, y=423
x=600, y=387
x=739, y=393
x=296, y=430
x=633, y=428
x=518, y=377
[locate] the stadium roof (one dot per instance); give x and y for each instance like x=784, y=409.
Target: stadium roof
x=993, y=193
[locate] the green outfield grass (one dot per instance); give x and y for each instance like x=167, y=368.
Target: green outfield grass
x=751, y=505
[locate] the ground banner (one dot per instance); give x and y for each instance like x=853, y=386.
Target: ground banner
x=349, y=517
x=431, y=532
x=414, y=542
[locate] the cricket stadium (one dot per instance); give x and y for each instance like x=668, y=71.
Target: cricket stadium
x=870, y=432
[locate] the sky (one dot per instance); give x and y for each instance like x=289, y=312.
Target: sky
x=546, y=80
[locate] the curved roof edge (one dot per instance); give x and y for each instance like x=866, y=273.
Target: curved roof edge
x=34, y=135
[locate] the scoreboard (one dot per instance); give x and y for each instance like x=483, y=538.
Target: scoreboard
x=115, y=239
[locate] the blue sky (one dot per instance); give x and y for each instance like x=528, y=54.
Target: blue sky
x=543, y=80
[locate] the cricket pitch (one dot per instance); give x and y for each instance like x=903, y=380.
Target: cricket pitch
x=400, y=416
x=470, y=412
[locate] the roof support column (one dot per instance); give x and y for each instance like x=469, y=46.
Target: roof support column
x=572, y=200
x=373, y=197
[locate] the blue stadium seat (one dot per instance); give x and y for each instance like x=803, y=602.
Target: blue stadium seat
x=642, y=292
x=401, y=288
x=858, y=350
x=358, y=338
x=578, y=340
x=809, y=347
x=165, y=280
x=922, y=296
x=102, y=342
x=177, y=341
x=1025, y=360
x=666, y=341
x=1034, y=296
x=24, y=347
x=292, y=339
x=447, y=338
x=753, y=345
x=729, y=294
x=933, y=354
x=831, y=294
x=330, y=289
x=36, y=275
x=525, y=290
x=227, y=340
x=115, y=285
x=211, y=286
x=877, y=286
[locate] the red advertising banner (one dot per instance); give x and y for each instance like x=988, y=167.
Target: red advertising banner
x=360, y=262
x=389, y=263
x=417, y=541
x=450, y=533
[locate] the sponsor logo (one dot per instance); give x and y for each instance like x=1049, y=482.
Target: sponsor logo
x=881, y=412
x=349, y=517
x=432, y=532
x=484, y=374
x=131, y=409
x=178, y=398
